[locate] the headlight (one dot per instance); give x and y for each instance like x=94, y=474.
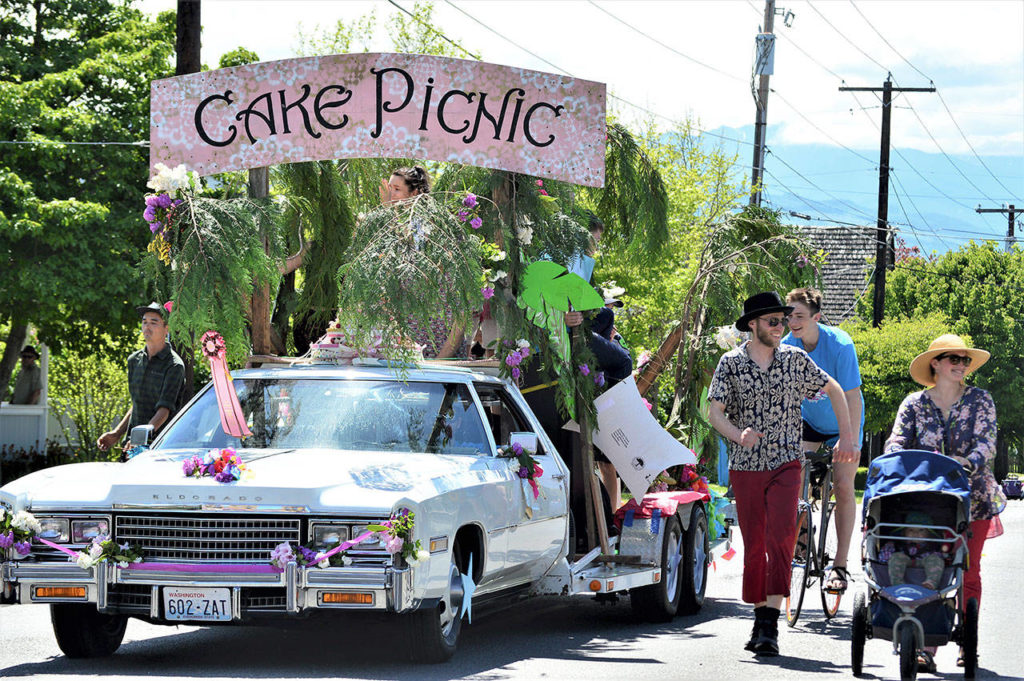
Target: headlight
x=54, y=529
x=327, y=535
x=360, y=530
x=84, y=531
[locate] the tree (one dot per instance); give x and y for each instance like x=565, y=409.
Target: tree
x=75, y=71
x=980, y=289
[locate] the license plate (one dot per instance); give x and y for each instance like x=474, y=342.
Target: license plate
x=197, y=604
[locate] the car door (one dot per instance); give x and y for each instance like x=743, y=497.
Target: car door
x=539, y=526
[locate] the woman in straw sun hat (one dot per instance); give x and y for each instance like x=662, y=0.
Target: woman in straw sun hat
x=959, y=421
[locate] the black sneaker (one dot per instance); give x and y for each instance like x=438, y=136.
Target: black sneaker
x=767, y=643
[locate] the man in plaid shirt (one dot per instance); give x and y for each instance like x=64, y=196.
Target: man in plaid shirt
x=155, y=377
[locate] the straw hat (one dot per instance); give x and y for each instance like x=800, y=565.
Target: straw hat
x=921, y=368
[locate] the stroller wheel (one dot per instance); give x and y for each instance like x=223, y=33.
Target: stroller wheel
x=970, y=639
x=908, y=653
x=860, y=632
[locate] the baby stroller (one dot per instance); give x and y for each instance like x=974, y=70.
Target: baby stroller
x=918, y=504
x=1012, y=487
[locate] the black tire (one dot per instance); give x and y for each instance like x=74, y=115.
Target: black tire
x=82, y=631
x=660, y=602
x=829, y=601
x=803, y=556
x=694, y=565
x=970, y=639
x=908, y=652
x=434, y=632
x=860, y=632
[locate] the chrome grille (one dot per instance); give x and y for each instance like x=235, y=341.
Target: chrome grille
x=206, y=539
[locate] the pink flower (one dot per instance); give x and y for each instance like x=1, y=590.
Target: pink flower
x=543, y=193
x=540, y=183
x=169, y=305
x=647, y=404
x=487, y=292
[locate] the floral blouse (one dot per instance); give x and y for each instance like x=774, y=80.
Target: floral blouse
x=968, y=435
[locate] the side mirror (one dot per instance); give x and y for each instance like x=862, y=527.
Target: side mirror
x=527, y=441
x=141, y=435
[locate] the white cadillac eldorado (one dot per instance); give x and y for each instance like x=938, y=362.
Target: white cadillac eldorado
x=333, y=450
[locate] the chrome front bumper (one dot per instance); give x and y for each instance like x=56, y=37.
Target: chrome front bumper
x=388, y=590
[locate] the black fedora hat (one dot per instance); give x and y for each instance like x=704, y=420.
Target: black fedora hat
x=29, y=351
x=152, y=307
x=759, y=304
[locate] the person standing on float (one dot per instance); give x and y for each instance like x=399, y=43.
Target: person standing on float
x=755, y=397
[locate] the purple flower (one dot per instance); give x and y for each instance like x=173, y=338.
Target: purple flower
x=23, y=547
x=523, y=472
x=515, y=372
x=512, y=359
x=164, y=201
x=517, y=449
x=463, y=215
x=599, y=378
x=149, y=214
x=224, y=476
x=487, y=292
x=476, y=223
x=584, y=369
x=151, y=200
x=6, y=540
x=469, y=201
x=307, y=555
x=156, y=226
x=188, y=466
x=802, y=261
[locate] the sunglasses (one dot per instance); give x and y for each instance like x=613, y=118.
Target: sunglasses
x=956, y=359
x=774, y=321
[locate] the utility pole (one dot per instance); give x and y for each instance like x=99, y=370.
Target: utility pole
x=765, y=67
x=1012, y=212
x=187, y=38
x=883, y=235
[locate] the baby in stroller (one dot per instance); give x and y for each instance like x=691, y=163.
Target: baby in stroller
x=917, y=550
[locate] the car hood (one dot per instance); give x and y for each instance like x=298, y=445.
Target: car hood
x=313, y=480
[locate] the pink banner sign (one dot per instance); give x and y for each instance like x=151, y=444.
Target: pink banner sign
x=381, y=106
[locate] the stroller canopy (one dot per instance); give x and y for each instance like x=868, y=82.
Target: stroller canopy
x=914, y=470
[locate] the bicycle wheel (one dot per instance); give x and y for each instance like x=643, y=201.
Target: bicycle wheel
x=803, y=558
x=829, y=540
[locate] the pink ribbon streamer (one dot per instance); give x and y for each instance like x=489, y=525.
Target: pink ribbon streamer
x=225, y=568
x=232, y=420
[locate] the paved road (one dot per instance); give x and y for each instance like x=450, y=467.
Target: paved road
x=545, y=639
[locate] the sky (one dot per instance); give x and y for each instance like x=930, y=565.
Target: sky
x=693, y=59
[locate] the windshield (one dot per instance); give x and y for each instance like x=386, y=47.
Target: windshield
x=438, y=418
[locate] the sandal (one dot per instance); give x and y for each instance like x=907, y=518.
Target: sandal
x=837, y=574
x=960, y=658
x=925, y=662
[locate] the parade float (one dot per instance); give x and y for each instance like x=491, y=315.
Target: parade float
x=361, y=478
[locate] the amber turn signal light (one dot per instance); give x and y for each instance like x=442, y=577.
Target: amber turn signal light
x=60, y=592
x=350, y=598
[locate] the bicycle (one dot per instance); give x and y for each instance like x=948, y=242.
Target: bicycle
x=816, y=542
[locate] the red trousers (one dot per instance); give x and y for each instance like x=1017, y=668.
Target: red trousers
x=972, y=578
x=766, y=504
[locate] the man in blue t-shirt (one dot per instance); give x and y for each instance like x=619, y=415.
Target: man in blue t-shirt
x=831, y=349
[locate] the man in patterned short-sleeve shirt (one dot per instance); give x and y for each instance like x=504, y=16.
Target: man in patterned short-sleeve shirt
x=755, y=397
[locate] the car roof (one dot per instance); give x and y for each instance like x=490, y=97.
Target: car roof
x=371, y=369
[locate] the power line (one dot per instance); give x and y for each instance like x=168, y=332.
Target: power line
x=667, y=47
x=941, y=99
x=435, y=31
x=565, y=71
x=843, y=36
x=140, y=143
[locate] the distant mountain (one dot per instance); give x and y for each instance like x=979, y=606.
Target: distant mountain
x=929, y=201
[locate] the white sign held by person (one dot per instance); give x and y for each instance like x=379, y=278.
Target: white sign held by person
x=633, y=440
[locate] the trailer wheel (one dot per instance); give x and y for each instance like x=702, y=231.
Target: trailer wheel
x=660, y=602
x=82, y=631
x=694, y=565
